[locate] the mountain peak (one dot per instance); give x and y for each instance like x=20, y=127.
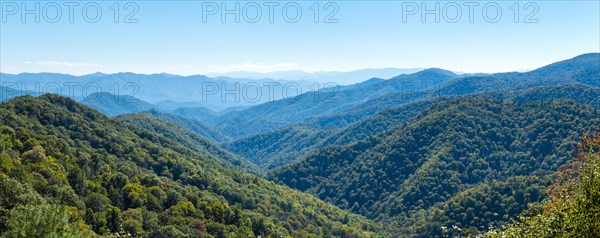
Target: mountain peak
x=437, y=71
x=97, y=74
x=427, y=73
x=584, y=61
x=593, y=55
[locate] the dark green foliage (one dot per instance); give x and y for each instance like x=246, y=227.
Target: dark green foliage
x=190, y=124
x=273, y=149
x=116, y=177
x=450, y=147
x=280, y=147
x=14, y=194
x=160, y=123
x=473, y=210
x=572, y=208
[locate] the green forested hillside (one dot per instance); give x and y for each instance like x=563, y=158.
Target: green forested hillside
x=197, y=113
x=281, y=113
x=151, y=120
x=572, y=208
x=429, y=154
x=280, y=147
x=362, y=111
x=493, y=203
x=283, y=146
x=581, y=93
x=393, y=115
x=191, y=125
x=581, y=70
x=452, y=146
x=272, y=149
x=67, y=169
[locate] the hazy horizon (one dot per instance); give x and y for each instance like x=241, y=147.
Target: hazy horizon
x=226, y=73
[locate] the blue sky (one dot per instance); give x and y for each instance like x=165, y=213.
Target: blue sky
x=170, y=36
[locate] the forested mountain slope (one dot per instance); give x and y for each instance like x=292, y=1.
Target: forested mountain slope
x=196, y=113
x=192, y=125
x=451, y=146
x=572, y=208
x=280, y=147
x=277, y=114
x=116, y=177
x=337, y=108
x=582, y=70
x=155, y=122
x=415, y=152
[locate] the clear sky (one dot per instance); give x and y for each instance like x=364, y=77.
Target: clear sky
x=173, y=37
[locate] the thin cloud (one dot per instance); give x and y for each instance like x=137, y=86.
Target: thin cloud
x=63, y=64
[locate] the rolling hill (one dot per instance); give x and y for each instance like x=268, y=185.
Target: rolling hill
x=342, y=106
x=159, y=123
x=114, y=105
x=451, y=146
x=281, y=113
x=415, y=155
x=279, y=147
x=191, y=125
x=109, y=176
x=216, y=93
x=583, y=69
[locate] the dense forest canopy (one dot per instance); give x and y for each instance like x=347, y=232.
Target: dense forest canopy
x=100, y=175
x=451, y=147
x=572, y=208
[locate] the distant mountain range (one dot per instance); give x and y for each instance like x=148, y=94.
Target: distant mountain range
x=342, y=107
x=334, y=107
x=301, y=108
x=283, y=146
x=166, y=90
x=340, y=78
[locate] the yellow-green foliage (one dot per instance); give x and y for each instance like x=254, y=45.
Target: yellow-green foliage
x=67, y=170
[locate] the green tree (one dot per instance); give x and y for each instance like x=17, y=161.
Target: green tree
x=41, y=221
